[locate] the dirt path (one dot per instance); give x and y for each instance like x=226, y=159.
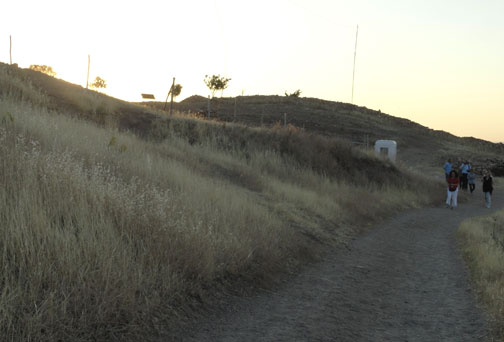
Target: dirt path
x=403, y=281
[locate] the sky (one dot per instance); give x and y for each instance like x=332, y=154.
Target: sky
x=438, y=63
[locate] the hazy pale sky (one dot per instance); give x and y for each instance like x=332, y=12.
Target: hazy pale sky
x=437, y=62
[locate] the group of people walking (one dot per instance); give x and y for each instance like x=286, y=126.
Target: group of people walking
x=465, y=178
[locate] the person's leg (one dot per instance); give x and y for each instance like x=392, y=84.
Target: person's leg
x=472, y=187
x=488, y=199
x=454, y=198
x=448, y=197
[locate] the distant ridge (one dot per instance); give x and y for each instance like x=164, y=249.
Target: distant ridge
x=417, y=144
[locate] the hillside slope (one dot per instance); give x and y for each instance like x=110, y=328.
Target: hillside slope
x=416, y=144
x=118, y=220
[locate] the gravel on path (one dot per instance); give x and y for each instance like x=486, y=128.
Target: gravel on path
x=403, y=281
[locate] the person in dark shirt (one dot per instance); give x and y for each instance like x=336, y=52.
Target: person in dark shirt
x=487, y=187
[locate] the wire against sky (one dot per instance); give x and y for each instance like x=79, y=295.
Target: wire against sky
x=354, y=57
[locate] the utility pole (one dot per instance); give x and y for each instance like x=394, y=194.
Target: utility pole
x=10, y=49
x=166, y=100
x=172, y=91
x=88, y=64
x=234, y=112
x=355, y=54
x=208, y=106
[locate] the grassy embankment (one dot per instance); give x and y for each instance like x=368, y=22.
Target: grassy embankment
x=482, y=241
x=105, y=235
x=417, y=144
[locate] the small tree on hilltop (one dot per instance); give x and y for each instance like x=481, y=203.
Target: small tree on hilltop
x=98, y=83
x=177, y=89
x=294, y=94
x=43, y=69
x=216, y=82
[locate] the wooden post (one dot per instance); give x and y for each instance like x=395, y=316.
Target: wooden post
x=166, y=100
x=234, y=113
x=208, y=106
x=88, y=64
x=171, y=101
x=10, y=49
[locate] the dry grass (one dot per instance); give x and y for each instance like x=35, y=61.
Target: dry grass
x=15, y=86
x=105, y=235
x=417, y=144
x=482, y=240
x=95, y=238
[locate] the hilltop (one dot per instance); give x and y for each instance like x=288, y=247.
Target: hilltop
x=417, y=144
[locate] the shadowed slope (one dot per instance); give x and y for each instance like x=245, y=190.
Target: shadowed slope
x=416, y=143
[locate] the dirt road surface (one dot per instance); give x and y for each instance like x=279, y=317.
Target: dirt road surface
x=403, y=281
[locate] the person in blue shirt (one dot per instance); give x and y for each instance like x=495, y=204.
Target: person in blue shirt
x=471, y=180
x=464, y=168
x=447, y=168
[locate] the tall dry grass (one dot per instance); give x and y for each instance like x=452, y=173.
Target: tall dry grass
x=97, y=242
x=482, y=241
x=109, y=236
x=16, y=86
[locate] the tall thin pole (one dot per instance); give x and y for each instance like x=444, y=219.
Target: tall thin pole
x=88, y=64
x=172, y=91
x=354, y=56
x=234, y=112
x=10, y=49
x=166, y=100
x=208, y=106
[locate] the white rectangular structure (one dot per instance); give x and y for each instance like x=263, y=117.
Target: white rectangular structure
x=386, y=148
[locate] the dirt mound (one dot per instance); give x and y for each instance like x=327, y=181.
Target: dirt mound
x=193, y=100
